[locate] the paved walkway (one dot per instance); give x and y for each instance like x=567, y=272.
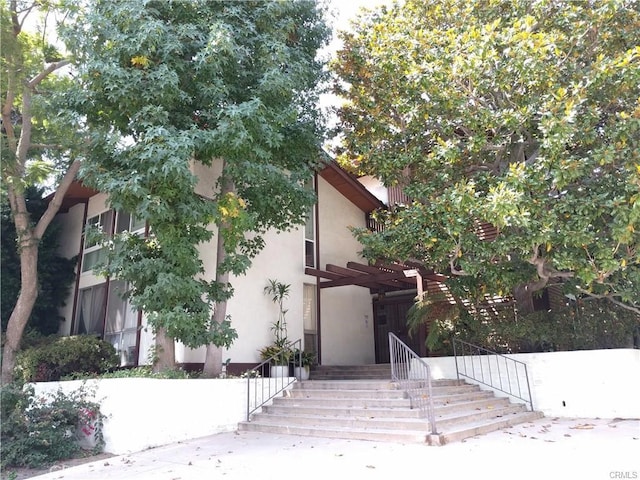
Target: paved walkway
x=546, y=449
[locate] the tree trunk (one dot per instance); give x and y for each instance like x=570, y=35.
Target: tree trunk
x=165, y=358
x=213, y=358
x=24, y=305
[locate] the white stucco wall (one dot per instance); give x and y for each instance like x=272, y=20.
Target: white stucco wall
x=252, y=312
x=347, y=334
x=585, y=383
x=144, y=412
x=347, y=329
x=69, y=246
x=376, y=187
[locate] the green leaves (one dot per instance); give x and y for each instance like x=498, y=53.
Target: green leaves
x=173, y=86
x=528, y=123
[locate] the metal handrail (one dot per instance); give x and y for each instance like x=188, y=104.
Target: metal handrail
x=414, y=377
x=506, y=380
x=265, y=388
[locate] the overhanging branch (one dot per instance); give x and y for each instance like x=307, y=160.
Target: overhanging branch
x=612, y=299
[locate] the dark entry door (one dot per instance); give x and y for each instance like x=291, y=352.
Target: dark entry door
x=390, y=314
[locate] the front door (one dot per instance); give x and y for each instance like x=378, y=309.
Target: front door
x=390, y=315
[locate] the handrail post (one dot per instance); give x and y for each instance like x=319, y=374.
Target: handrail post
x=399, y=352
x=526, y=375
x=477, y=351
x=258, y=372
x=455, y=357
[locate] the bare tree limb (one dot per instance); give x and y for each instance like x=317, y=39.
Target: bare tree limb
x=612, y=299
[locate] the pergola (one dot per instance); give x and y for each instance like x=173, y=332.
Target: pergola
x=381, y=277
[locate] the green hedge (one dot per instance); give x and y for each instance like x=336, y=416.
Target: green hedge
x=39, y=430
x=60, y=356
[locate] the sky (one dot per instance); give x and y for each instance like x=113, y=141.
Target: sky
x=343, y=12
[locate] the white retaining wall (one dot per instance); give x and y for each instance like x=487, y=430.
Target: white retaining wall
x=585, y=383
x=144, y=412
x=147, y=412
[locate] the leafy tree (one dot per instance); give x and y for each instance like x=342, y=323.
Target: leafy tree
x=39, y=140
x=520, y=115
x=226, y=84
x=55, y=273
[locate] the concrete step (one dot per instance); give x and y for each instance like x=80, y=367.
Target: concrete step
x=351, y=372
x=482, y=427
x=443, y=412
x=379, y=393
x=396, y=412
x=383, y=435
x=344, y=402
x=364, y=420
x=350, y=376
x=365, y=384
x=345, y=385
x=360, y=402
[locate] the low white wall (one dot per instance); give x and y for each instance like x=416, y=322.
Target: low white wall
x=585, y=383
x=146, y=412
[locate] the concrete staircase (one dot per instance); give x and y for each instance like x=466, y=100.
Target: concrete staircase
x=354, y=403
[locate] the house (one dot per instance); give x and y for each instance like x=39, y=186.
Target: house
x=347, y=324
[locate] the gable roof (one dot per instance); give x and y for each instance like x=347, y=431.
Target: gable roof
x=349, y=186
x=77, y=193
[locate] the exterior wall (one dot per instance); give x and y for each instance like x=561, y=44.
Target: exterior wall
x=604, y=386
x=251, y=311
x=347, y=333
x=376, y=187
x=69, y=246
x=346, y=311
x=144, y=413
x=585, y=383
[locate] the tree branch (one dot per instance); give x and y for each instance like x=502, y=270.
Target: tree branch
x=55, y=204
x=612, y=299
x=455, y=270
x=53, y=146
x=52, y=67
x=543, y=269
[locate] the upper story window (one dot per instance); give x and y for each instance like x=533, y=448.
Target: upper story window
x=310, y=235
x=94, y=251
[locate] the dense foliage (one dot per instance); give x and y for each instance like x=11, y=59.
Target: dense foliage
x=39, y=430
x=55, y=273
x=521, y=115
x=42, y=141
x=583, y=325
x=170, y=85
x=56, y=357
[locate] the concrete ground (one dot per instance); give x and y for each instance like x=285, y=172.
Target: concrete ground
x=553, y=448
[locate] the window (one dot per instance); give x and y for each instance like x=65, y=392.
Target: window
x=309, y=318
x=310, y=235
x=91, y=308
x=94, y=252
x=121, y=323
x=128, y=222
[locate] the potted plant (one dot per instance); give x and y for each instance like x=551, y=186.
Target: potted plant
x=278, y=351
x=302, y=362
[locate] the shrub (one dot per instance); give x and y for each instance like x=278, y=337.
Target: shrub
x=66, y=355
x=143, y=371
x=36, y=432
